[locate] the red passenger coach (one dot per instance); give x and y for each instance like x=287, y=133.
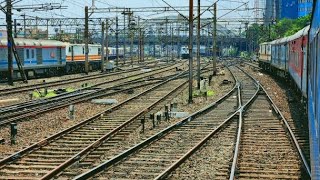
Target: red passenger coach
x=298, y=59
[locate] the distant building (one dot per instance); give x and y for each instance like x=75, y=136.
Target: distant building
x=304, y=7
x=273, y=10
x=288, y=9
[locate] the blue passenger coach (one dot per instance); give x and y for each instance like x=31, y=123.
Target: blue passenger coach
x=314, y=91
x=37, y=56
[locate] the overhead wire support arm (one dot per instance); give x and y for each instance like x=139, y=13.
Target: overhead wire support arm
x=175, y=10
x=225, y=14
x=208, y=9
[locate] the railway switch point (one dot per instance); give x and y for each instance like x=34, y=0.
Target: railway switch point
x=175, y=107
x=143, y=123
x=71, y=112
x=158, y=119
x=166, y=113
x=13, y=133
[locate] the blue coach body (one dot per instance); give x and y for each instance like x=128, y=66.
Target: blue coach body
x=314, y=91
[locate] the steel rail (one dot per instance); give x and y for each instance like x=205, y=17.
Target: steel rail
x=60, y=82
x=238, y=139
x=98, y=142
x=65, y=103
x=286, y=126
x=292, y=136
x=238, y=113
x=62, y=96
x=175, y=165
x=70, y=129
x=82, y=98
x=153, y=138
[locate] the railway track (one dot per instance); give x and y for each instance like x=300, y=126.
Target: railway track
x=47, y=158
x=32, y=87
x=265, y=147
x=26, y=110
x=149, y=158
x=137, y=63
x=299, y=124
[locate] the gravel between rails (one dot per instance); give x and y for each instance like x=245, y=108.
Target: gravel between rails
x=24, y=96
x=137, y=136
x=49, y=123
x=283, y=96
x=212, y=160
x=39, y=127
x=57, y=78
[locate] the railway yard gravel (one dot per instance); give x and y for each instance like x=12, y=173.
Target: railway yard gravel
x=58, y=78
x=289, y=104
x=281, y=94
x=40, y=127
x=24, y=96
x=137, y=136
x=44, y=125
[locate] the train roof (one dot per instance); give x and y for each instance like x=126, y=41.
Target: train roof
x=265, y=43
x=32, y=42
x=68, y=44
x=302, y=32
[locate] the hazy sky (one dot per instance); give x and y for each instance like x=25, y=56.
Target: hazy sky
x=75, y=8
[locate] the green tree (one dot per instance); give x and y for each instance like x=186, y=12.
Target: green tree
x=285, y=27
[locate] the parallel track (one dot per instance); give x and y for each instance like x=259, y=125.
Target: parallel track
x=72, y=144
x=32, y=87
x=299, y=125
x=149, y=158
x=265, y=147
x=25, y=110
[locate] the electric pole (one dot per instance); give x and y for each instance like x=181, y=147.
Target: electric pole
x=190, y=49
x=198, y=47
x=214, y=43
x=107, y=41
x=140, y=44
x=15, y=28
x=172, y=42
x=10, y=43
x=117, y=41
x=131, y=36
x=24, y=26
x=86, y=40
x=167, y=42
x=124, y=36
x=102, y=46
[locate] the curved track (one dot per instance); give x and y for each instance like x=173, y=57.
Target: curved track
x=265, y=147
x=52, y=155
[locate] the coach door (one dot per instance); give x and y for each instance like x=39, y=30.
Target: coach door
x=39, y=56
x=30, y=56
x=59, y=58
x=20, y=55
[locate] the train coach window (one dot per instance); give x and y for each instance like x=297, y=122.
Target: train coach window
x=69, y=49
x=83, y=50
x=99, y=51
x=27, y=53
x=32, y=53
